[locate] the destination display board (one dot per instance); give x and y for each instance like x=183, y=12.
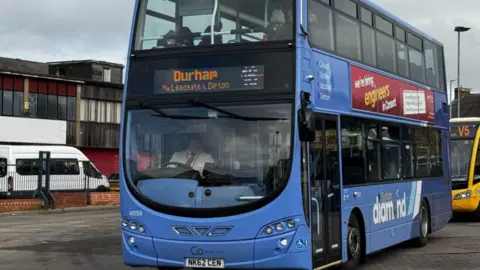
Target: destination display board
x=377, y=93
x=463, y=130
x=214, y=79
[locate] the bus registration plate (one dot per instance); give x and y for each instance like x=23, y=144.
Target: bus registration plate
x=204, y=263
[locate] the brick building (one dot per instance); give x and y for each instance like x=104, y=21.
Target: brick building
x=75, y=103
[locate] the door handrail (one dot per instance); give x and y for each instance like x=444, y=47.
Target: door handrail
x=318, y=215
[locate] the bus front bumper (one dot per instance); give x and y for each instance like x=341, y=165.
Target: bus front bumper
x=263, y=253
x=464, y=205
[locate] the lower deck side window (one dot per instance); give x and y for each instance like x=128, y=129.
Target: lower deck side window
x=381, y=152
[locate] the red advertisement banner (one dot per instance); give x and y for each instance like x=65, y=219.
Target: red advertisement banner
x=377, y=93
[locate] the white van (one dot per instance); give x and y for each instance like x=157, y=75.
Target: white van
x=70, y=169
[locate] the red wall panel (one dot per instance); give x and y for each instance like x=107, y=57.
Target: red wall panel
x=106, y=160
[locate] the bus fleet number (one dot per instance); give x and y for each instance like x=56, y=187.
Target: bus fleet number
x=136, y=213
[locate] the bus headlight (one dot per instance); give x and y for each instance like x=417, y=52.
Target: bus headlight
x=291, y=223
x=133, y=226
x=463, y=195
x=477, y=191
x=268, y=230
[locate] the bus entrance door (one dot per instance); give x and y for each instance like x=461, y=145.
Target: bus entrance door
x=325, y=193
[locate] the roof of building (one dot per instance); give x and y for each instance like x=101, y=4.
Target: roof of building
x=469, y=106
x=32, y=69
x=43, y=76
x=23, y=66
x=89, y=61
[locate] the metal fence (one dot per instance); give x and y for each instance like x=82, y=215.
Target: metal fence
x=43, y=176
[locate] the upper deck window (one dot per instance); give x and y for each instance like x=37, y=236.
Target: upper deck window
x=431, y=64
x=400, y=34
x=415, y=42
x=347, y=6
x=188, y=23
x=348, y=36
x=367, y=16
x=384, y=25
x=320, y=25
x=386, y=52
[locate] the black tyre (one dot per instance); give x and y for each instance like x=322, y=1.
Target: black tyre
x=424, y=226
x=355, y=245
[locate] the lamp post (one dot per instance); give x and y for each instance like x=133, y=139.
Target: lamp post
x=452, y=91
x=459, y=29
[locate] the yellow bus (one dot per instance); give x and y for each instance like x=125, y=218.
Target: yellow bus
x=465, y=167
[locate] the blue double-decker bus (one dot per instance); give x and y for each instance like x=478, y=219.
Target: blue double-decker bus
x=297, y=134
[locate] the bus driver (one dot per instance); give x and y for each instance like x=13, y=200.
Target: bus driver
x=194, y=156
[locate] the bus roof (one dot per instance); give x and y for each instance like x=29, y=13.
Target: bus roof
x=465, y=119
x=400, y=21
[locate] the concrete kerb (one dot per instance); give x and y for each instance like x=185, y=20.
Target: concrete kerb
x=60, y=210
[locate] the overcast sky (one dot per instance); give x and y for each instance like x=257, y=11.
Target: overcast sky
x=51, y=30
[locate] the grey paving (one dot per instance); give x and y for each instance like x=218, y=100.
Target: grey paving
x=91, y=240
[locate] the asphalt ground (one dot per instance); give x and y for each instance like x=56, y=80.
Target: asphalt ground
x=91, y=240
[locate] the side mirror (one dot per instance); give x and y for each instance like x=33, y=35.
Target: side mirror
x=306, y=125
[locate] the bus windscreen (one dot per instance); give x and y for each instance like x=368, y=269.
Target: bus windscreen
x=461, y=147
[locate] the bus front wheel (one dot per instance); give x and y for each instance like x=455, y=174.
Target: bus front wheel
x=355, y=244
x=424, y=224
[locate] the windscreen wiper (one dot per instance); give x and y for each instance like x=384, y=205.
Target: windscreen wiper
x=233, y=115
x=162, y=114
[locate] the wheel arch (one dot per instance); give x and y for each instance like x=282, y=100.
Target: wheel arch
x=427, y=203
x=361, y=220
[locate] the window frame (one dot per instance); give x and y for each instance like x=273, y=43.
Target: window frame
x=404, y=40
x=140, y=21
x=62, y=113
x=365, y=123
x=390, y=38
x=33, y=106
x=32, y=166
x=386, y=19
x=357, y=13
x=53, y=161
x=333, y=36
x=40, y=109
x=51, y=97
x=372, y=15
x=107, y=74
x=18, y=99
x=407, y=58
x=397, y=27
x=10, y=112
x=374, y=39
x=337, y=15
x=427, y=45
x=3, y=167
